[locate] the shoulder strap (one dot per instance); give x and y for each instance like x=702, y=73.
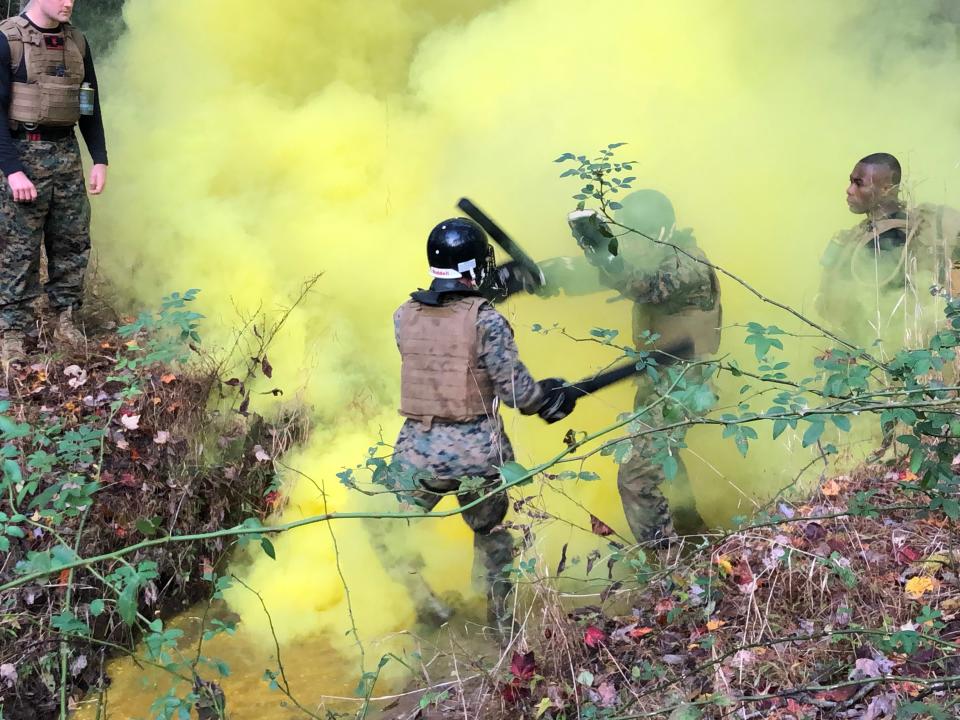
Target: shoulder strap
x=475, y=301
x=882, y=226
x=13, y=28
x=71, y=32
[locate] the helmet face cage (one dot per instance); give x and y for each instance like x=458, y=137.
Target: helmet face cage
x=485, y=271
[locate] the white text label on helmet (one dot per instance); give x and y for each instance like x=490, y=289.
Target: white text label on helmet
x=445, y=273
x=467, y=266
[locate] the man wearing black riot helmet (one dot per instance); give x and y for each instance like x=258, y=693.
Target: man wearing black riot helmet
x=459, y=362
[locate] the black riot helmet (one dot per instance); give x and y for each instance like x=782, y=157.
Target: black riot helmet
x=458, y=249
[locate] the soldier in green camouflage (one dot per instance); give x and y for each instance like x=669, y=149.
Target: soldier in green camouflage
x=45, y=68
x=675, y=296
x=877, y=277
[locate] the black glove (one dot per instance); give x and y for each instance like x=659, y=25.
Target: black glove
x=559, y=399
x=512, y=277
x=599, y=245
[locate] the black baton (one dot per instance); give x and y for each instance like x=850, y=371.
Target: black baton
x=508, y=244
x=671, y=355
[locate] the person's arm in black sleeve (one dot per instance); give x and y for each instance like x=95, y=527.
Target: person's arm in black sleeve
x=91, y=126
x=9, y=160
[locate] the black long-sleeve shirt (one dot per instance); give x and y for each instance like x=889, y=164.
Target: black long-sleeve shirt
x=91, y=126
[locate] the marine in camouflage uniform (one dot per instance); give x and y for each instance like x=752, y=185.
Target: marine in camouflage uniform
x=888, y=277
x=44, y=202
x=459, y=362
x=674, y=296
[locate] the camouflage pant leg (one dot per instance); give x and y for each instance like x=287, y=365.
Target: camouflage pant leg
x=403, y=566
x=21, y=234
x=645, y=507
x=67, y=230
x=639, y=480
x=492, y=549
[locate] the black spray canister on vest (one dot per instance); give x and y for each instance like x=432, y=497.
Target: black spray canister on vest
x=87, y=94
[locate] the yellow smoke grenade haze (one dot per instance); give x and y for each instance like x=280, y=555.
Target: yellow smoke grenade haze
x=253, y=145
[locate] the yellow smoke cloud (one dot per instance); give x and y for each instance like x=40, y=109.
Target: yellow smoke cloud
x=250, y=149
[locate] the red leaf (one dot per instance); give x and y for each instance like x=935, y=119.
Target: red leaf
x=266, y=367
x=599, y=527
x=523, y=666
x=907, y=554
x=742, y=574
x=838, y=694
x=272, y=499
x=594, y=636
x=513, y=692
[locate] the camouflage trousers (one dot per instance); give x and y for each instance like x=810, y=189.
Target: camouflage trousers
x=639, y=479
x=492, y=546
x=58, y=220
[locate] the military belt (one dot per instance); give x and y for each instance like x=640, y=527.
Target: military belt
x=42, y=133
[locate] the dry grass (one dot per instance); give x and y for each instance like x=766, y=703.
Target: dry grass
x=816, y=612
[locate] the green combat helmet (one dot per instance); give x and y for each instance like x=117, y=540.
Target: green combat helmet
x=649, y=212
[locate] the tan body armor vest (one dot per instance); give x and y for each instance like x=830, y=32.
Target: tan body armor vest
x=931, y=243
x=700, y=326
x=47, y=98
x=674, y=325
x=440, y=377
x=868, y=293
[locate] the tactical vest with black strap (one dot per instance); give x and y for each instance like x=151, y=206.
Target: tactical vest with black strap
x=54, y=67
x=874, y=288
x=930, y=244
x=693, y=312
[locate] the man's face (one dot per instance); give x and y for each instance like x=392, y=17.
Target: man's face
x=870, y=185
x=59, y=10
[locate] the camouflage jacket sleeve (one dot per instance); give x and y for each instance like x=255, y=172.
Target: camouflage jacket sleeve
x=676, y=282
x=396, y=327
x=498, y=354
x=830, y=278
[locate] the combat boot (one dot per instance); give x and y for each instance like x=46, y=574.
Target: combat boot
x=65, y=331
x=432, y=611
x=11, y=347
